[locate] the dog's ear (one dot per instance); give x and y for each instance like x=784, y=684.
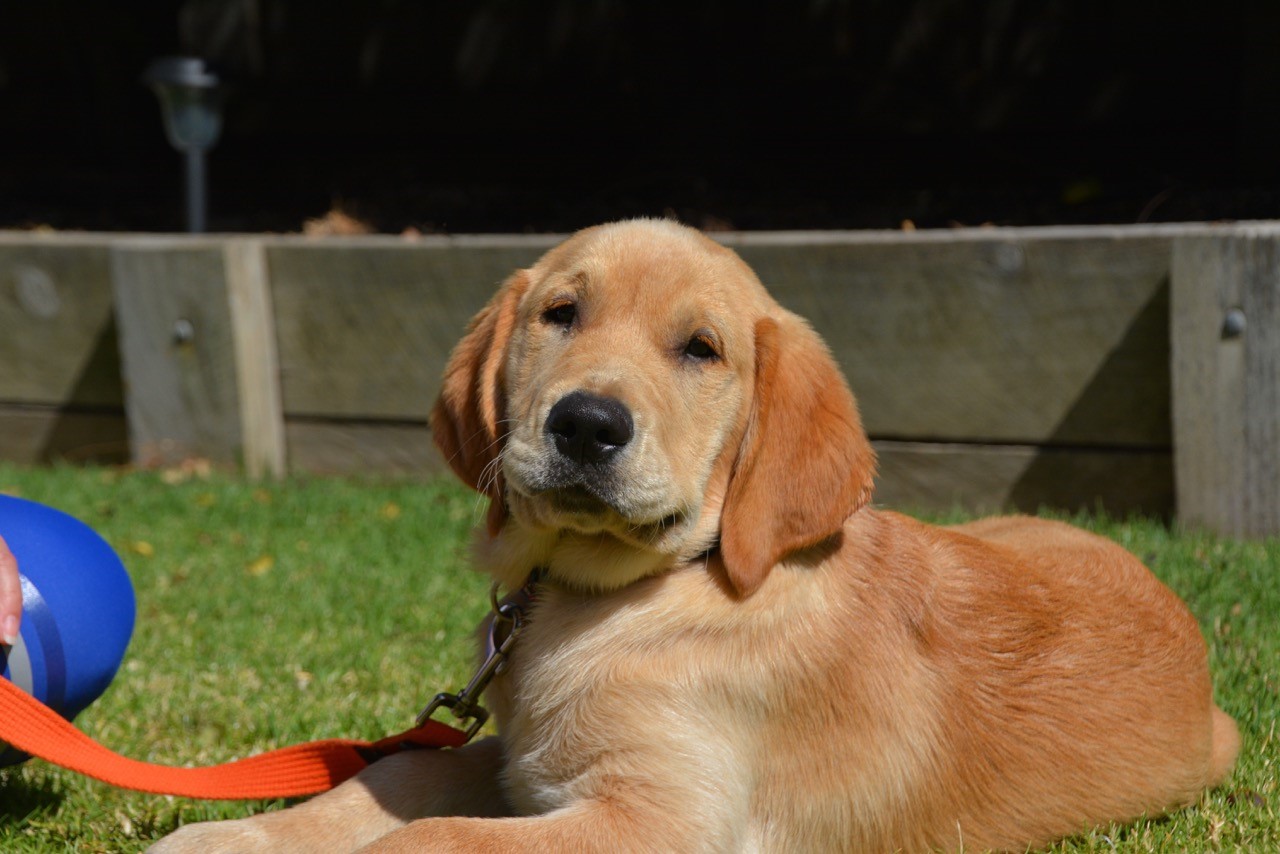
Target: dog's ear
x=805, y=464
x=465, y=422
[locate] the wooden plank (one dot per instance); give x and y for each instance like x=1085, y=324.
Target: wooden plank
x=1047, y=337
x=362, y=448
x=35, y=434
x=364, y=331
x=257, y=367
x=57, y=333
x=936, y=477
x=1226, y=380
x=914, y=476
x=1053, y=338
x=1056, y=340
x=177, y=352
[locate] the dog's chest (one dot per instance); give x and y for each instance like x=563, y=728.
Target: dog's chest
x=589, y=692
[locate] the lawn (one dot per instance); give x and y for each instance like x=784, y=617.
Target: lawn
x=278, y=613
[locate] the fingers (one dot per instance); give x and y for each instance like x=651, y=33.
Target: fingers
x=10, y=596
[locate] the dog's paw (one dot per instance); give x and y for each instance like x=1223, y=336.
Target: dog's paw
x=215, y=837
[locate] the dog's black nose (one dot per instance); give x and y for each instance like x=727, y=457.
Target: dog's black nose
x=588, y=428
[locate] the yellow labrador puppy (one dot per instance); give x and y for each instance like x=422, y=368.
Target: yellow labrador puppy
x=731, y=651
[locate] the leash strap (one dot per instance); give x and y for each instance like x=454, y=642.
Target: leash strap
x=303, y=769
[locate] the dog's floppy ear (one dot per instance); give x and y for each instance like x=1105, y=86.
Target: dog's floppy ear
x=805, y=464
x=465, y=420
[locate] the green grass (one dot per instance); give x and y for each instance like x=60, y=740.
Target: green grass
x=273, y=614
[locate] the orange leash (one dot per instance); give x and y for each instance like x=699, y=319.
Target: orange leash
x=303, y=769
x=33, y=728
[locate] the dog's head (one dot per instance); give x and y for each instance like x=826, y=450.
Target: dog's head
x=635, y=398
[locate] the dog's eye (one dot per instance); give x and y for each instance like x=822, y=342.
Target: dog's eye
x=701, y=347
x=561, y=313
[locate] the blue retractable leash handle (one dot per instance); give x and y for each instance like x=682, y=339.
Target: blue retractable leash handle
x=77, y=610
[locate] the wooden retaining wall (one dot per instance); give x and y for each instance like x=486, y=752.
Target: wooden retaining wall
x=995, y=368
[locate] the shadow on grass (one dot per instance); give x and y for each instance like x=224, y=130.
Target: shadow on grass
x=21, y=797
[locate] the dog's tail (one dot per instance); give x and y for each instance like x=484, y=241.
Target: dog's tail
x=1226, y=746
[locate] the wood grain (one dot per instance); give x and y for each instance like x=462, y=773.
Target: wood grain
x=914, y=476
x=362, y=448
x=1226, y=382
x=939, y=477
x=364, y=331
x=1013, y=339
x=253, y=330
x=1053, y=339
x=181, y=394
x=57, y=331
x=994, y=367
x=37, y=434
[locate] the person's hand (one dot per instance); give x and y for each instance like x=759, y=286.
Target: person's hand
x=10, y=595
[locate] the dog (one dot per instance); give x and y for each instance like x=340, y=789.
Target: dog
x=730, y=649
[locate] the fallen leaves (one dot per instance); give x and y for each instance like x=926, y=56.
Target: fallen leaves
x=260, y=566
x=196, y=468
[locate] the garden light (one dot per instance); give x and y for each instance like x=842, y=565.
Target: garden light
x=191, y=101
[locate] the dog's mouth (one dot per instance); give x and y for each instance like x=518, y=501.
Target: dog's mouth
x=649, y=533
x=577, y=500
x=580, y=508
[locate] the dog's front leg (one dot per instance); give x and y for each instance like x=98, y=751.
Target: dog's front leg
x=605, y=825
x=383, y=797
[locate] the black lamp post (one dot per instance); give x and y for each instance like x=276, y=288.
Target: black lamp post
x=191, y=101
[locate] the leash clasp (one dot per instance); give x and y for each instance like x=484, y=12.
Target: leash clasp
x=505, y=625
x=462, y=710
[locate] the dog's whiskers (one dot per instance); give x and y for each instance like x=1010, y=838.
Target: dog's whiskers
x=486, y=484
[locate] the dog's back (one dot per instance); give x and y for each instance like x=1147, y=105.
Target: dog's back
x=1087, y=691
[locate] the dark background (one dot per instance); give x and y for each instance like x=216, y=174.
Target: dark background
x=502, y=115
